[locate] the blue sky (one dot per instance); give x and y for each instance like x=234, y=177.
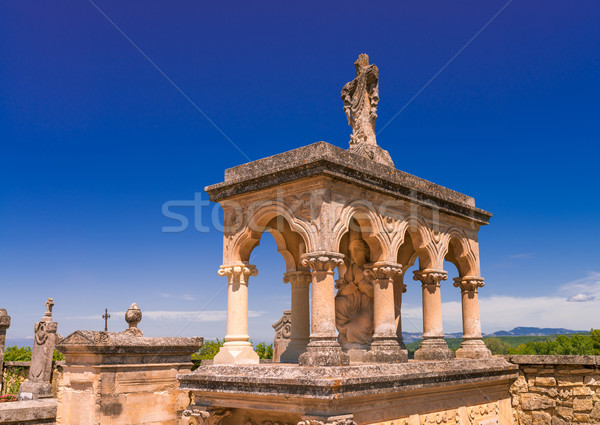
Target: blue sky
x=95, y=139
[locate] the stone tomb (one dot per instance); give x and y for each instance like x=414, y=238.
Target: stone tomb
x=123, y=378
x=351, y=212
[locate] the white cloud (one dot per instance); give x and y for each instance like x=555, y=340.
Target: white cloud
x=520, y=256
x=581, y=298
x=186, y=297
x=176, y=316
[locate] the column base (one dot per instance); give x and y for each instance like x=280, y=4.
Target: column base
x=293, y=351
x=434, y=349
x=387, y=351
x=33, y=390
x=473, y=349
x=236, y=354
x=324, y=354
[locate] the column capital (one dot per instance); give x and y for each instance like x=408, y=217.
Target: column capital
x=322, y=261
x=383, y=270
x=468, y=283
x=298, y=278
x=430, y=276
x=238, y=273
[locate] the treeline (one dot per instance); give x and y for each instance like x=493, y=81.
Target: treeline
x=578, y=344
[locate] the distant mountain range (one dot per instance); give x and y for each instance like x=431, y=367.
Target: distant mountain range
x=408, y=336
x=524, y=330
x=519, y=331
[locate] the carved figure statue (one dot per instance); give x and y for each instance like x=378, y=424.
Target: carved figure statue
x=354, y=300
x=360, y=97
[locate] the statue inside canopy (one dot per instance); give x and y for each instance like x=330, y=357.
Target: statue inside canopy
x=354, y=299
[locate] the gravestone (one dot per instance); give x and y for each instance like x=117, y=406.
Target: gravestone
x=38, y=384
x=4, y=325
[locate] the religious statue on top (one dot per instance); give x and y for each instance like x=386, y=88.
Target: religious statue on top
x=354, y=300
x=360, y=97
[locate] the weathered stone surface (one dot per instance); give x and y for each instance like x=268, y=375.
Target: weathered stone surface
x=582, y=391
x=324, y=159
x=591, y=380
x=581, y=418
x=583, y=404
x=565, y=412
x=569, y=381
x=344, y=381
x=427, y=392
x=541, y=418
x=553, y=360
x=536, y=402
x=545, y=381
x=28, y=412
x=558, y=421
x=595, y=413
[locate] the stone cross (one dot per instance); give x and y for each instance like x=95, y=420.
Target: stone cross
x=361, y=97
x=49, y=305
x=4, y=325
x=40, y=372
x=106, y=316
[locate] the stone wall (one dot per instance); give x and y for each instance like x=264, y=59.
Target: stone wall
x=556, y=390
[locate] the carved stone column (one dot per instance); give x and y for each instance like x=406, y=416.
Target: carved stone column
x=433, y=346
x=4, y=325
x=399, y=289
x=237, y=348
x=300, y=283
x=385, y=347
x=323, y=348
x=472, y=346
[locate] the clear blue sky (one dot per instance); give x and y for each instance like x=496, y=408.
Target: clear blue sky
x=94, y=139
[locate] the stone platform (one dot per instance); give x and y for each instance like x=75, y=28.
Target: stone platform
x=28, y=412
x=450, y=392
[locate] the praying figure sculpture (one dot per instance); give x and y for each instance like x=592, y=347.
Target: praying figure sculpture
x=360, y=97
x=354, y=300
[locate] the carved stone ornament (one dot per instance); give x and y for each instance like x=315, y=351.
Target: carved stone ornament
x=238, y=273
x=322, y=261
x=447, y=417
x=468, y=284
x=334, y=420
x=283, y=327
x=209, y=416
x=476, y=413
x=430, y=277
x=297, y=278
x=382, y=270
x=133, y=316
x=360, y=97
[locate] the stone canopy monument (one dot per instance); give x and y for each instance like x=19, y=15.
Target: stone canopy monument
x=352, y=213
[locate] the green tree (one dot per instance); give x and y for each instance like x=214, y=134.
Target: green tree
x=264, y=351
x=209, y=350
x=496, y=346
x=577, y=344
x=17, y=354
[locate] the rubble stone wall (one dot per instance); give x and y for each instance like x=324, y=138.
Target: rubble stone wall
x=556, y=390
